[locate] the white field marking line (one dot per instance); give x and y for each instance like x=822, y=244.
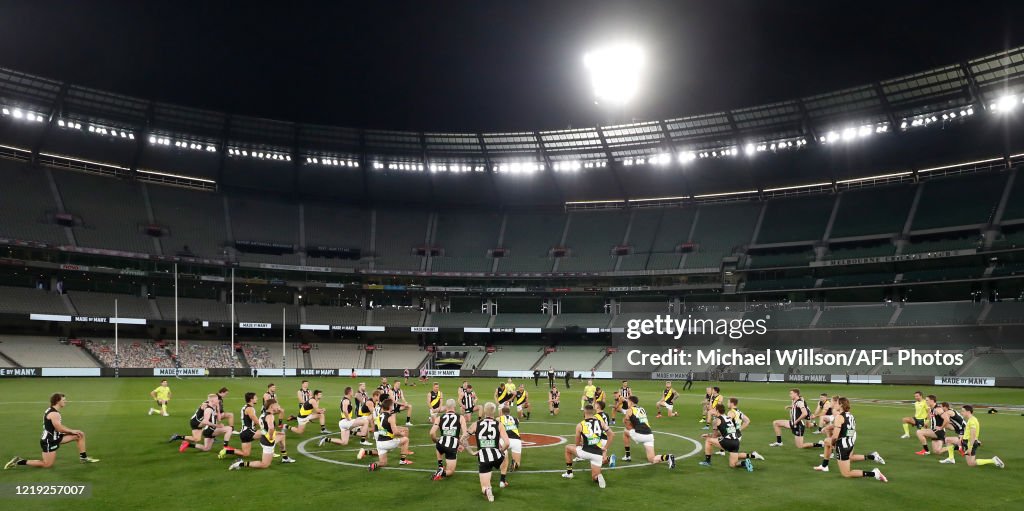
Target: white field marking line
x=301, y=448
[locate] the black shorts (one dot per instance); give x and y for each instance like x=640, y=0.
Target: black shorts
x=554, y=404
x=974, y=448
x=448, y=452
x=208, y=432
x=730, y=444
x=246, y=436
x=488, y=466
x=919, y=423
x=797, y=428
x=194, y=424
x=844, y=450
x=50, y=445
x=940, y=435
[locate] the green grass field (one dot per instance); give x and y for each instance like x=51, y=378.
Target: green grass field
x=140, y=469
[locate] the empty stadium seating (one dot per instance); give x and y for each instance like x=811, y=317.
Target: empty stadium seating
x=855, y=316
x=946, y=313
x=192, y=218
x=262, y=220
x=858, y=279
x=854, y=252
x=1015, y=202
x=782, y=283
x=799, y=219
x=1004, y=364
x=788, y=318
x=28, y=301
x=574, y=358
x=591, y=238
x=392, y=316
x=529, y=237
x=266, y=313
x=781, y=259
x=520, y=320
x=872, y=211
x=44, y=352
x=582, y=320
x=337, y=356
x=465, y=238
x=398, y=234
x=958, y=201
x=27, y=205
x=320, y=315
x=1005, y=312
x=195, y=308
x=513, y=358
x=719, y=231
x=102, y=305
x=395, y=356
x=940, y=245
x=112, y=211
x=458, y=320
x=338, y=227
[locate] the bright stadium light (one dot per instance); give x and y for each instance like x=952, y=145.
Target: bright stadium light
x=1005, y=103
x=615, y=72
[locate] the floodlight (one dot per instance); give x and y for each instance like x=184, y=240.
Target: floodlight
x=1005, y=103
x=6, y=111
x=749, y=149
x=615, y=72
x=849, y=134
x=17, y=114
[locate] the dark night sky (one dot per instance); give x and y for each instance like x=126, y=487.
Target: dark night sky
x=485, y=65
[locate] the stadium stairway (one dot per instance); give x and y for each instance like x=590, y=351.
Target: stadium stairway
x=67, y=304
x=540, y=361
x=242, y=361
x=307, y=359
x=93, y=356
x=367, y=363
x=9, y=362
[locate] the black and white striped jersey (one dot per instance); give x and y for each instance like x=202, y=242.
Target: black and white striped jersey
x=450, y=427
x=487, y=439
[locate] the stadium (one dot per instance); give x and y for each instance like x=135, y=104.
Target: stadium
x=864, y=241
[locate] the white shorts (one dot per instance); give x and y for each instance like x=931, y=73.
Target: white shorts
x=515, y=445
x=596, y=460
x=828, y=418
x=645, y=440
x=387, y=445
x=303, y=420
x=346, y=424
x=519, y=408
x=670, y=407
x=267, y=449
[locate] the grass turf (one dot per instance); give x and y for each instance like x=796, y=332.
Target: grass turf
x=139, y=469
